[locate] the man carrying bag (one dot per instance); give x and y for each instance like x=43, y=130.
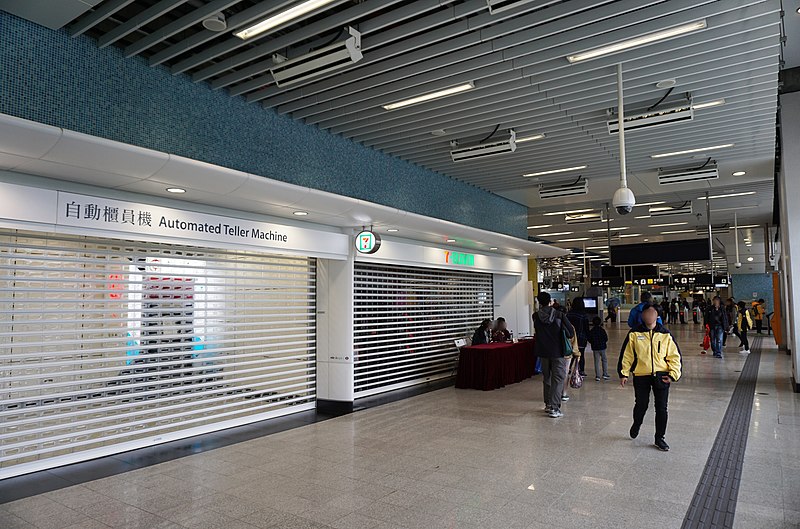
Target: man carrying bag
x=554, y=335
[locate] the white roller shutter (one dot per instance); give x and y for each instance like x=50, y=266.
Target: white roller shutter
x=109, y=345
x=407, y=319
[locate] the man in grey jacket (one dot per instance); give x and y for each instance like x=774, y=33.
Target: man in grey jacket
x=547, y=325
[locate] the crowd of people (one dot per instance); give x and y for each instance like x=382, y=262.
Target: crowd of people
x=563, y=333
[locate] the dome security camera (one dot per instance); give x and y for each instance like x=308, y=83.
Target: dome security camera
x=623, y=200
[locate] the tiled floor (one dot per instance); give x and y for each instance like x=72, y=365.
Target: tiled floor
x=462, y=458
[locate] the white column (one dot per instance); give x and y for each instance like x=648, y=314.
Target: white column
x=335, y=367
x=789, y=186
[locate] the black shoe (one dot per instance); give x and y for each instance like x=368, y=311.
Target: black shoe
x=662, y=445
x=634, y=431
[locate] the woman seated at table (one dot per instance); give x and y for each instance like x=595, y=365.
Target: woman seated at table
x=483, y=334
x=501, y=332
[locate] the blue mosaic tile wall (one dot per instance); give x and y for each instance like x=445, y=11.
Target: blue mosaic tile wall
x=49, y=77
x=749, y=287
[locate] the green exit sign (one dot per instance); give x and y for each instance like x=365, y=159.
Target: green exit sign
x=456, y=258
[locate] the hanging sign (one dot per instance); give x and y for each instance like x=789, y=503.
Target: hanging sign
x=368, y=242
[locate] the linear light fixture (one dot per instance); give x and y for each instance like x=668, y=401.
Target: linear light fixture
x=555, y=234
x=630, y=235
x=281, y=18
x=430, y=96
x=574, y=240
x=690, y=151
x=531, y=138
x=676, y=231
x=643, y=217
x=733, y=209
x=638, y=41
x=750, y=226
x=599, y=230
x=567, y=212
x=738, y=173
x=729, y=195
x=708, y=104
x=596, y=247
x=539, y=227
x=554, y=171
x=668, y=224
x=649, y=203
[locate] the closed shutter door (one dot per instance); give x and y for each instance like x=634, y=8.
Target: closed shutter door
x=406, y=322
x=109, y=345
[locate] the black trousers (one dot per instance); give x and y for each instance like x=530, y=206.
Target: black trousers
x=642, y=387
x=745, y=341
x=759, y=326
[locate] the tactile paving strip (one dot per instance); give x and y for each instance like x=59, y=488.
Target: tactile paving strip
x=714, y=502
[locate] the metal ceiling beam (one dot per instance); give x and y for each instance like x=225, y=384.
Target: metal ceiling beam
x=186, y=21
x=522, y=66
x=420, y=44
x=335, y=20
x=97, y=15
x=141, y=19
x=252, y=14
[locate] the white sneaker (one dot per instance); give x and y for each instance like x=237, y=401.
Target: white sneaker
x=555, y=414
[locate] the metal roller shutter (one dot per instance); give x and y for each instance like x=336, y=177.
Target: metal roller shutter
x=109, y=345
x=406, y=322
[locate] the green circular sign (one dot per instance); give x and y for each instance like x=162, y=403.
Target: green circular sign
x=368, y=242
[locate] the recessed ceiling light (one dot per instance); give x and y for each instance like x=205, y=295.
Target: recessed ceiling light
x=281, y=18
x=645, y=240
x=554, y=171
x=676, y=231
x=638, y=41
x=690, y=151
x=530, y=138
x=574, y=240
x=555, y=234
x=729, y=195
x=749, y=259
x=451, y=240
x=175, y=190
x=300, y=213
x=599, y=230
x=540, y=226
x=708, y=104
x=439, y=132
x=668, y=224
x=630, y=235
x=430, y=96
x=493, y=248
x=526, y=255
x=739, y=173
x=392, y=230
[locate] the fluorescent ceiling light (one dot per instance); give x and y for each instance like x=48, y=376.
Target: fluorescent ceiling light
x=630, y=235
x=176, y=190
x=749, y=259
x=554, y=171
x=300, y=213
x=596, y=247
x=642, y=217
x=526, y=255
x=650, y=204
x=668, y=224
x=430, y=96
x=598, y=230
x=733, y=209
x=690, y=151
x=530, y=138
x=739, y=173
x=392, y=230
x=540, y=226
x=493, y=248
x=555, y=234
x=567, y=212
x=749, y=226
x=574, y=240
x=708, y=104
x=676, y=231
x=451, y=240
x=638, y=41
x=281, y=18
x=729, y=195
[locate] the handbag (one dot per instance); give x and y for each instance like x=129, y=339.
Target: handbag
x=575, y=378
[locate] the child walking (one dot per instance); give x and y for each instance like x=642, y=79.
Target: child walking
x=598, y=339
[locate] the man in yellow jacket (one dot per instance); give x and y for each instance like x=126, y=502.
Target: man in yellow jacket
x=652, y=357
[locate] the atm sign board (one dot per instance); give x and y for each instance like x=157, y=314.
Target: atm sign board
x=368, y=242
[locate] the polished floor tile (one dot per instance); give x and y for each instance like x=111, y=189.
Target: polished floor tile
x=464, y=459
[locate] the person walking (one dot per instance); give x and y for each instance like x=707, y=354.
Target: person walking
x=759, y=310
x=652, y=357
x=716, y=317
x=598, y=339
x=549, y=324
x=744, y=323
x=635, y=317
x=673, y=311
x=613, y=307
x=732, y=311
x=578, y=318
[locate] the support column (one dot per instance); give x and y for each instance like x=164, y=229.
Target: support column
x=789, y=186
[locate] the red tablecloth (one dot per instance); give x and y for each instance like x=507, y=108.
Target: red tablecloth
x=493, y=365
